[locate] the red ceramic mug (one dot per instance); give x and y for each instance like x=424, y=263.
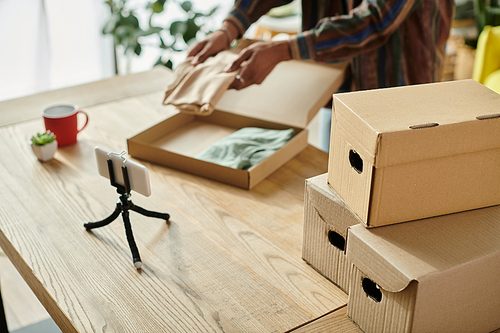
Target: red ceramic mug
x=63, y=122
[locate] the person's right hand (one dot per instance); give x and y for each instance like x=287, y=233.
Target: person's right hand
x=216, y=42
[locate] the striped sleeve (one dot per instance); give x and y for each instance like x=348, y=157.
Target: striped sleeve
x=246, y=12
x=365, y=28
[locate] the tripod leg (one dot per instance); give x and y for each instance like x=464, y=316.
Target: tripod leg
x=131, y=241
x=150, y=213
x=106, y=221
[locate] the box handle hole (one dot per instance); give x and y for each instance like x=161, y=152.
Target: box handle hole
x=488, y=116
x=336, y=240
x=424, y=125
x=356, y=161
x=372, y=290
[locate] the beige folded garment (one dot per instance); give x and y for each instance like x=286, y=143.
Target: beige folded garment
x=196, y=90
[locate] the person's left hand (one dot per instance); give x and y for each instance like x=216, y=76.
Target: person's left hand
x=257, y=61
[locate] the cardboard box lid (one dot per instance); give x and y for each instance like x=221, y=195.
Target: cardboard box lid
x=395, y=255
x=329, y=205
x=291, y=94
x=412, y=123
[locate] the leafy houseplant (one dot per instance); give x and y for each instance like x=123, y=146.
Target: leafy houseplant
x=44, y=145
x=487, y=12
x=124, y=25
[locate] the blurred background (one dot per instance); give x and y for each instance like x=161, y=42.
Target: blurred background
x=50, y=44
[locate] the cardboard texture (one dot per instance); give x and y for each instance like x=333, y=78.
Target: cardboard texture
x=189, y=134
x=288, y=98
x=434, y=275
x=326, y=219
x=413, y=152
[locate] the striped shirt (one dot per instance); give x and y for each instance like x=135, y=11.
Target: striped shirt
x=388, y=42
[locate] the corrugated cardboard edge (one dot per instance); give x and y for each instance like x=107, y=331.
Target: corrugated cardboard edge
x=140, y=146
x=272, y=100
x=448, y=301
x=341, y=175
x=325, y=211
x=358, y=252
x=339, y=218
x=396, y=255
x=402, y=141
x=274, y=162
x=441, y=141
x=183, y=163
x=451, y=141
x=394, y=312
x=480, y=302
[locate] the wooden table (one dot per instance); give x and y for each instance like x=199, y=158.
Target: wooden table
x=229, y=261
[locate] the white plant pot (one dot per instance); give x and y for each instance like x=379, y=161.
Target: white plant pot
x=46, y=152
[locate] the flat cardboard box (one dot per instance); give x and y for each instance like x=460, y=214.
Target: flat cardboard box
x=407, y=153
x=326, y=219
x=288, y=98
x=434, y=275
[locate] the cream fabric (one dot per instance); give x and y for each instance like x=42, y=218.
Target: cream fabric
x=196, y=90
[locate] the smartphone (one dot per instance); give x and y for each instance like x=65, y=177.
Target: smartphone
x=138, y=174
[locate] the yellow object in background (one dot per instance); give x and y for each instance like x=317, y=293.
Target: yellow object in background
x=487, y=61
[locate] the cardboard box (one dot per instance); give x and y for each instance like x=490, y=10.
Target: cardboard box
x=413, y=152
x=326, y=219
x=288, y=98
x=434, y=275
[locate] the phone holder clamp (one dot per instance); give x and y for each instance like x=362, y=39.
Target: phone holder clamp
x=123, y=205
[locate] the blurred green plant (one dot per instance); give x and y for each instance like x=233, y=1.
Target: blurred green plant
x=43, y=139
x=126, y=29
x=487, y=12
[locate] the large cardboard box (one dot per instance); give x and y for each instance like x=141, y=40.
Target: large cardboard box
x=326, y=219
x=288, y=98
x=434, y=275
x=407, y=153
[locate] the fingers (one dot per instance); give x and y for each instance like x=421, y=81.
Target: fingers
x=238, y=83
x=255, y=63
x=202, y=55
x=242, y=80
x=243, y=56
x=213, y=44
x=196, y=48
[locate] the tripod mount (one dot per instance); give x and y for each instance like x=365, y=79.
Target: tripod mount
x=123, y=206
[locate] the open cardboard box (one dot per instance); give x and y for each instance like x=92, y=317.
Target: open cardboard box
x=434, y=275
x=326, y=220
x=406, y=153
x=288, y=98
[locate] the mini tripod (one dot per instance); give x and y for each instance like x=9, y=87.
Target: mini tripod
x=122, y=206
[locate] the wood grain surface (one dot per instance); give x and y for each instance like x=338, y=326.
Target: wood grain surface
x=230, y=259
x=335, y=321
x=21, y=306
x=84, y=95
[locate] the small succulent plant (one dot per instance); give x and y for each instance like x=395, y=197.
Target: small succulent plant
x=43, y=139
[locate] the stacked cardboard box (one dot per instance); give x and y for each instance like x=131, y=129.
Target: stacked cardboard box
x=326, y=219
x=428, y=156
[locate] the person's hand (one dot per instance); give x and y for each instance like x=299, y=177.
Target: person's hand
x=214, y=43
x=257, y=61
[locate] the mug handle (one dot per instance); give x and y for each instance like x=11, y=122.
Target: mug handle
x=86, y=119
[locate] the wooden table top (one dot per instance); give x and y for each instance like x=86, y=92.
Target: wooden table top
x=229, y=261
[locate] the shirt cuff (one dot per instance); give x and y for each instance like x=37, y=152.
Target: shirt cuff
x=239, y=19
x=302, y=46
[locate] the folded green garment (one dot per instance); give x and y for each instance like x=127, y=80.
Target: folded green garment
x=246, y=147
